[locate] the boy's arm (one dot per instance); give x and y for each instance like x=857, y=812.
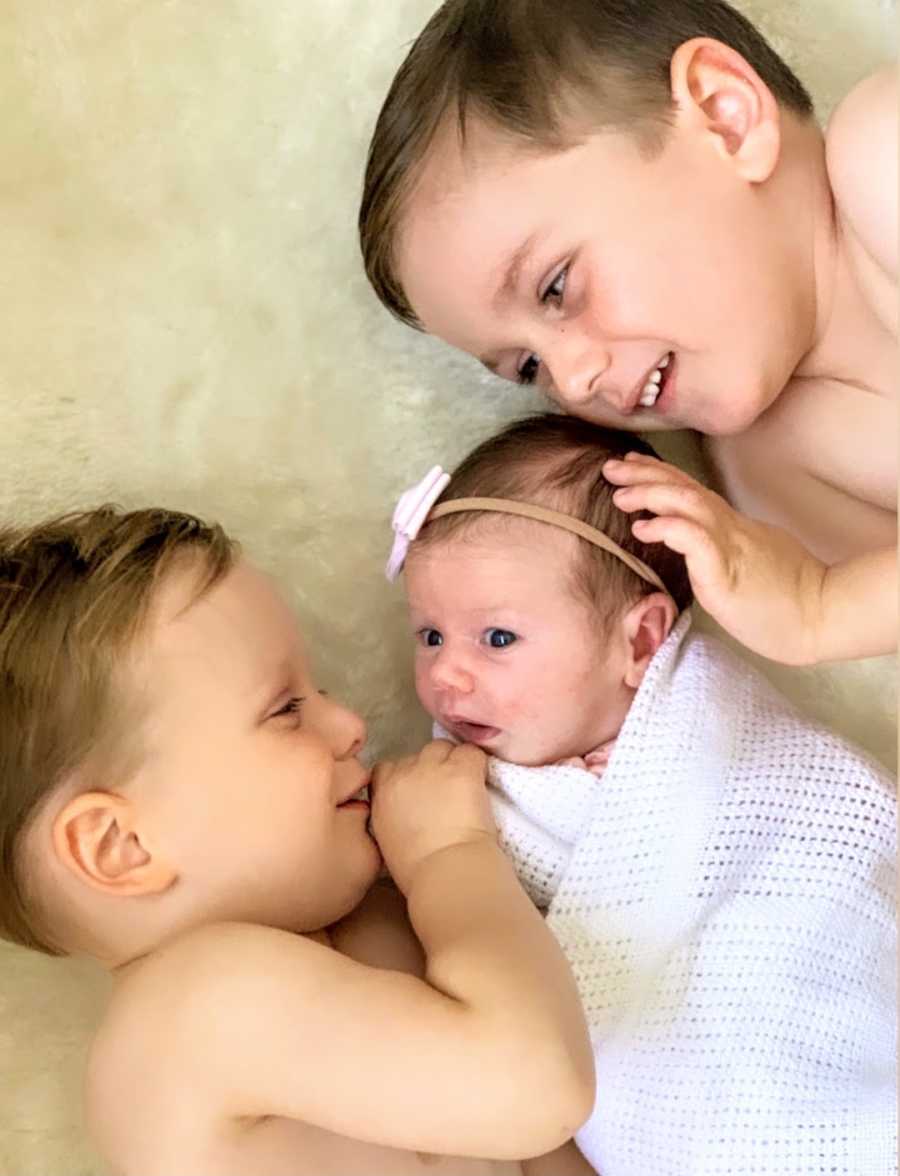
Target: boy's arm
x=488, y=1056
x=861, y=154
x=760, y=584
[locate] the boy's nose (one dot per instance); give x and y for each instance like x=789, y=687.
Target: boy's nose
x=576, y=364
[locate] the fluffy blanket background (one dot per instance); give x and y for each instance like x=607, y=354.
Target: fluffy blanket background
x=185, y=323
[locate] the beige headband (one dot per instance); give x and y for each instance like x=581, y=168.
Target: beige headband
x=527, y=510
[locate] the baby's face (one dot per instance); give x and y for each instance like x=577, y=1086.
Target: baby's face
x=638, y=293
x=506, y=655
x=250, y=770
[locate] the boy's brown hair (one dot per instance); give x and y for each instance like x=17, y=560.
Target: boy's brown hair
x=526, y=67
x=73, y=594
x=556, y=462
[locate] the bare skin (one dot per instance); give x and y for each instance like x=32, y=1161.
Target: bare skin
x=240, y=1037
x=833, y=595
x=773, y=315
x=793, y=466
x=200, y=1140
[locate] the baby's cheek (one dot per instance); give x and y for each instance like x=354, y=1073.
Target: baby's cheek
x=423, y=687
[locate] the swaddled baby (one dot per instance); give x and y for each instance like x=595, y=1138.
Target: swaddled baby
x=718, y=869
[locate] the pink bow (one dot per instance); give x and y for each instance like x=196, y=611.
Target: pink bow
x=410, y=513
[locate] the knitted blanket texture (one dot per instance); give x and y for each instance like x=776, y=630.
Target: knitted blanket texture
x=724, y=895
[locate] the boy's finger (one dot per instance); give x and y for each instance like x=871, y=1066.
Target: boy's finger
x=631, y=473
x=704, y=559
x=669, y=501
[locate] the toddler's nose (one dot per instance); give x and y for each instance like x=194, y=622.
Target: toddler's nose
x=346, y=730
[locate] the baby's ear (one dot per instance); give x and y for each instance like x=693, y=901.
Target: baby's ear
x=96, y=838
x=718, y=93
x=646, y=624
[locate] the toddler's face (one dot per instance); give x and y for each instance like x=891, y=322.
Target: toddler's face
x=638, y=293
x=250, y=770
x=506, y=655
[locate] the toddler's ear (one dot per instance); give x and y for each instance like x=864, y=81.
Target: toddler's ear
x=95, y=836
x=719, y=94
x=647, y=624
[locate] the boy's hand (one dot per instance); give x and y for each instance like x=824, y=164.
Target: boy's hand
x=757, y=581
x=428, y=802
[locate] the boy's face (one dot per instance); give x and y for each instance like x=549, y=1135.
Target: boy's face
x=506, y=656
x=250, y=770
x=585, y=270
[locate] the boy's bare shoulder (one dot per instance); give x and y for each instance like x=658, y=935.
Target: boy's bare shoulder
x=794, y=469
x=861, y=152
x=150, y=1053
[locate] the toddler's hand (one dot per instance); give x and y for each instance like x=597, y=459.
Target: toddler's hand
x=757, y=581
x=428, y=802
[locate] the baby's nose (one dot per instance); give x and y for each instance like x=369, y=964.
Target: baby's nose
x=449, y=673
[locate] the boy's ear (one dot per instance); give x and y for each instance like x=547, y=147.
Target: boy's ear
x=95, y=836
x=646, y=626
x=716, y=91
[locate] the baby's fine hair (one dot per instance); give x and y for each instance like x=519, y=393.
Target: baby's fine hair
x=74, y=592
x=556, y=462
x=539, y=71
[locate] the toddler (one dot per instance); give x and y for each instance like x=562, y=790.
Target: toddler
x=180, y=802
x=718, y=869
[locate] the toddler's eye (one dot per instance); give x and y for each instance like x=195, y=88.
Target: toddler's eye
x=500, y=638
x=291, y=707
x=430, y=637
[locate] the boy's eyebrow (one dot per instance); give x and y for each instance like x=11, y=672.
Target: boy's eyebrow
x=511, y=268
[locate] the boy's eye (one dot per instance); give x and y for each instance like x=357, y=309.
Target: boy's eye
x=430, y=637
x=500, y=638
x=526, y=373
x=557, y=288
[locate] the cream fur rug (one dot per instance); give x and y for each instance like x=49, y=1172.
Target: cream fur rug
x=185, y=322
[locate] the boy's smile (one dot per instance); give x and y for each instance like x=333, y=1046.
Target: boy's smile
x=642, y=293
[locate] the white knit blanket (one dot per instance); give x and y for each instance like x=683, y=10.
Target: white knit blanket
x=725, y=897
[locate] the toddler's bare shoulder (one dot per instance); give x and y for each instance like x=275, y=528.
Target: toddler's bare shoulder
x=167, y=1002
x=152, y=1046
x=861, y=153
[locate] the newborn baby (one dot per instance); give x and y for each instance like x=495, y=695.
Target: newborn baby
x=718, y=869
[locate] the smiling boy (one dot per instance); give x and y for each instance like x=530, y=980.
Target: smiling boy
x=632, y=206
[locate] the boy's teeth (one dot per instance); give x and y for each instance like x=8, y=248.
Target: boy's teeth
x=650, y=394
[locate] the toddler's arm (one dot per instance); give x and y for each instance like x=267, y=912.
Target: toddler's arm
x=760, y=584
x=487, y=1056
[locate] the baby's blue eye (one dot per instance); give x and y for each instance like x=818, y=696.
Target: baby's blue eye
x=430, y=637
x=500, y=638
